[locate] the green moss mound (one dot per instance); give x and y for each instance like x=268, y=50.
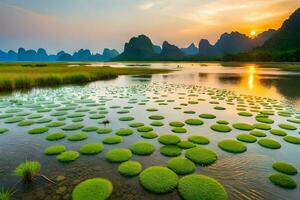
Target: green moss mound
x=201, y=155
x=222, y=122
x=90, y=129
x=200, y=187
x=176, y=124
x=130, y=168
x=198, y=139
x=55, y=124
x=118, y=155
x=68, y=156
x=78, y=136
x=170, y=150
x=262, y=126
x=38, y=130
x=285, y=168
x=168, y=180
x=207, y=116
x=97, y=116
x=292, y=139
x=136, y=124
x=54, y=150
x=287, y=126
x=179, y=130
x=221, y=128
x=72, y=127
x=76, y=115
x=3, y=116
x=142, y=148
x=91, y=149
x=3, y=130
x=144, y=129
x=269, y=143
x=25, y=123
x=156, y=123
x=104, y=130
x=13, y=120
x=124, y=132
x=283, y=181
x=43, y=120
x=149, y=135
x=93, y=189
x=152, y=109
x=128, y=118
x=181, y=166
x=156, y=117
x=278, y=132
x=258, y=133
x=232, y=146
x=194, y=122
x=264, y=120
x=294, y=120
x=79, y=119
x=169, y=139
x=186, y=144
x=246, y=138
x=112, y=139
x=56, y=136
x=189, y=112
x=245, y=114
x=243, y=126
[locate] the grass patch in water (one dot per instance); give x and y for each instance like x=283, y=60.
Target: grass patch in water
x=207, y=116
x=200, y=187
x=194, y=122
x=246, y=138
x=91, y=148
x=68, y=156
x=118, y=155
x=170, y=150
x=90, y=129
x=104, y=130
x=152, y=109
x=269, y=143
x=294, y=120
x=156, y=117
x=201, y=155
x=54, y=150
x=186, y=144
x=220, y=128
x=93, y=189
x=243, y=126
x=72, y=127
x=264, y=120
x=128, y=118
x=136, y=124
x=3, y=130
x=13, y=120
x=144, y=129
x=25, y=123
x=78, y=136
x=181, y=166
x=55, y=124
x=287, y=126
x=179, y=130
x=38, y=130
x=142, y=148
x=285, y=168
x=224, y=122
x=197, y=139
x=76, y=115
x=56, y=136
x=283, y=181
x=278, y=132
x=168, y=139
x=43, y=120
x=245, y=114
x=97, y=116
x=28, y=170
x=292, y=139
x=149, y=135
x=79, y=119
x=112, y=139
x=156, y=123
x=168, y=180
x=262, y=126
x=130, y=168
x=258, y=133
x=124, y=132
x=176, y=124
x=232, y=146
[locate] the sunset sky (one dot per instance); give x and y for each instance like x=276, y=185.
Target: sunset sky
x=94, y=24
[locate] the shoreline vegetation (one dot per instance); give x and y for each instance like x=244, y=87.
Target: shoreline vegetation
x=25, y=76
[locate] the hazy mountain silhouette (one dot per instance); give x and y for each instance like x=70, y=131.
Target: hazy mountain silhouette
x=157, y=49
x=190, y=50
x=170, y=52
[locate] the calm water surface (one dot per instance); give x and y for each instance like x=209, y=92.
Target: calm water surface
x=245, y=176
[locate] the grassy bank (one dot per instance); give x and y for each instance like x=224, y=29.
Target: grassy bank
x=20, y=76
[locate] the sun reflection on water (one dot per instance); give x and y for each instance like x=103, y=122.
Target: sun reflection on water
x=251, y=72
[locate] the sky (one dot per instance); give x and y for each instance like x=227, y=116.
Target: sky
x=95, y=24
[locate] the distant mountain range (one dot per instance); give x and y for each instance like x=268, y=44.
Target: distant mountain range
x=42, y=56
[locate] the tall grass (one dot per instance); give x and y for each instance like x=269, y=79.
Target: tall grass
x=28, y=170
x=6, y=194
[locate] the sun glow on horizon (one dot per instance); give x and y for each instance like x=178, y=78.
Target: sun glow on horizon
x=253, y=33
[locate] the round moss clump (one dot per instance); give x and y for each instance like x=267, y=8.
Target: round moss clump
x=142, y=148
x=232, y=146
x=201, y=155
x=130, y=168
x=243, y=126
x=93, y=189
x=78, y=136
x=169, y=139
x=128, y=118
x=221, y=128
x=112, y=139
x=284, y=167
x=152, y=109
x=179, y=130
x=38, y=130
x=149, y=135
x=118, y=155
x=222, y=122
x=168, y=180
x=170, y=150
x=194, y=122
x=55, y=124
x=13, y=120
x=181, y=165
x=283, y=181
x=156, y=123
x=264, y=120
x=262, y=126
x=292, y=139
x=104, y=130
x=68, y=156
x=176, y=124
x=72, y=127
x=245, y=114
x=269, y=143
x=156, y=117
x=136, y=124
x=3, y=130
x=54, y=150
x=186, y=144
x=258, y=133
x=92, y=148
x=56, y=136
x=124, y=132
x=200, y=187
x=207, y=116
x=287, y=126
x=278, y=132
x=144, y=129
x=90, y=129
x=198, y=139
x=25, y=123
x=246, y=138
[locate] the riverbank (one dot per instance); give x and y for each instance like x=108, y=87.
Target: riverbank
x=21, y=75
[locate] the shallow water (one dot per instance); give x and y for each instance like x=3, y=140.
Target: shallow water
x=245, y=175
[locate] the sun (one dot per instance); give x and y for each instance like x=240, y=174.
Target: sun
x=253, y=33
